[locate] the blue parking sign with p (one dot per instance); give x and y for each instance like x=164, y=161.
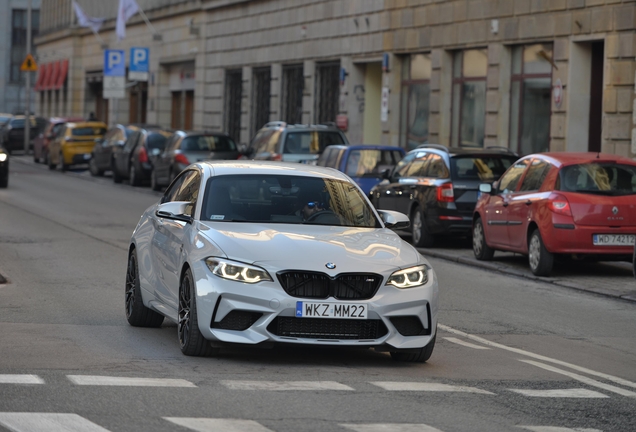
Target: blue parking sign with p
x=114, y=63
x=139, y=61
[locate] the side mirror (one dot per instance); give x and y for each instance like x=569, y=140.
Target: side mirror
x=394, y=220
x=175, y=210
x=485, y=188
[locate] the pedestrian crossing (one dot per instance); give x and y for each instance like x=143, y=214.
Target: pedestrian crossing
x=295, y=386
x=69, y=422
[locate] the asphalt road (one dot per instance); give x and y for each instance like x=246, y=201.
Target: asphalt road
x=512, y=353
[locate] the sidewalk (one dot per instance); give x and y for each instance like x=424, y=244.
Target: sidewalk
x=613, y=279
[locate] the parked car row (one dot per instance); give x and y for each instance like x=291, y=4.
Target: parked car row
x=12, y=129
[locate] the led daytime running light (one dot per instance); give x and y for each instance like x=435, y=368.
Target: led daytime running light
x=410, y=277
x=236, y=271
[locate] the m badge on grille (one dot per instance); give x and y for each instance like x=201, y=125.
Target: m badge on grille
x=330, y=266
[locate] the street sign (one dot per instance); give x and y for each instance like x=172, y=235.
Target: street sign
x=114, y=85
x=29, y=64
x=114, y=63
x=139, y=65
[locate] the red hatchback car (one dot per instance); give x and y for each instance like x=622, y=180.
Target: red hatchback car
x=577, y=204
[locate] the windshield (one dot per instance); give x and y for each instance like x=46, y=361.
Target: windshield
x=598, y=178
x=286, y=199
x=482, y=168
x=208, y=143
x=310, y=142
x=156, y=141
x=88, y=131
x=371, y=163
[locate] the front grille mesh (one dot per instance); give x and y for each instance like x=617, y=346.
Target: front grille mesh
x=346, y=286
x=320, y=328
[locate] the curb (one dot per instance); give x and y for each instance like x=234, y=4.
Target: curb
x=512, y=272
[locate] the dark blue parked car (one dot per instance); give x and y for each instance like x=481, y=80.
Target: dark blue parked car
x=365, y=164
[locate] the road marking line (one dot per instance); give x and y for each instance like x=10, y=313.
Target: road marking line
x=285, y=385
x=612, y=378
x=390, y=427
x=557, y=429
x=561, y=393
x=20, y=379
x=427, y=387
x=466, y=344
x=47, y=422
x=583, y=379
x=91, y=380
x=218, y=425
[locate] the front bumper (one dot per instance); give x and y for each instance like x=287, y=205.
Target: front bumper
x=268, y=314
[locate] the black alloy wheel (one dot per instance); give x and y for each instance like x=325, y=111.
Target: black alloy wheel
x=137, y=314
x=191, y=341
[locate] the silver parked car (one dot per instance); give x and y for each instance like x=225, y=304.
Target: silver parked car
x=254, y=252
x=185, y=148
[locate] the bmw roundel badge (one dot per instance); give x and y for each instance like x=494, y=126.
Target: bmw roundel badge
x=330, y=266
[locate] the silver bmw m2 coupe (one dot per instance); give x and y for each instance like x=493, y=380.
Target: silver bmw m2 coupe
x=246, y=252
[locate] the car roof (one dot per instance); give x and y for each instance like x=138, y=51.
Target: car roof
x=86, y=124
x=300, y=127
x=463, y=151
x=204, y=133
x=573, y=158
x=367, y=147
x=227, y=167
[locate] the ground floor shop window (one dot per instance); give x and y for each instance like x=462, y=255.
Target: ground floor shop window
x=327, y=91
x=416, y=91
x=530, y=106
x=470, y=68
x=292, y=98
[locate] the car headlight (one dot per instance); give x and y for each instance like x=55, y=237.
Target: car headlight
x=3, y=157
x=410, y=277
x=237, y=271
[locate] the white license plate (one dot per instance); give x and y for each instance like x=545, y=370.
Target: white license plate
x=614, y=239
x=331, y=310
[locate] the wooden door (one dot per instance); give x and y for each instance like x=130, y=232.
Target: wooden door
x=189, y=110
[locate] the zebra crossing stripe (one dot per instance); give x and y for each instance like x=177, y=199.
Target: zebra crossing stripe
x=20, y=379
x=427, y=387
x=390, y=427
x=90, y=380
x=466, y=344
x=47, y=422
x=285, y=385
x=218, y=425
x=578, y=393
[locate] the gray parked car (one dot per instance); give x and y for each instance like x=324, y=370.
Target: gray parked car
x=185, y=148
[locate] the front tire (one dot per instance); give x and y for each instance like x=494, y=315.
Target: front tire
x=482, y=251
x=94, y=170
x=191, y=341
x=540, y=259
x=137, y=314
x=420, y=356
x=421, y=236
x=116, y=176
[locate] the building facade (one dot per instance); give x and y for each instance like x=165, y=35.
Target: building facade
x=13, y=50
x=529, y=75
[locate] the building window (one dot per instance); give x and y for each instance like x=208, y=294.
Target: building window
x=469, y=98
x=327, y=91
x=262, y=78
x=19, y=40
x=233, y=95
x=416, y=90
x=530, y=93
x=292, y=100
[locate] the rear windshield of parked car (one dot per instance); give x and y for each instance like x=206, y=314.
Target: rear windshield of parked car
x=88, y=131
x=281, y=199
x=598, y=178
x=208, y=143
x=156, y=141
x=482, y=168
x=310, y=142
x=371, y=163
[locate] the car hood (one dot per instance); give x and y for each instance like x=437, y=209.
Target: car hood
x=310, y=247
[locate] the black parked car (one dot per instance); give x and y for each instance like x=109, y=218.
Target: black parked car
x=102, y=155
x=185, y=148
x=12, y=133
x=133, y=160
x=4, y=168
x=438, y=188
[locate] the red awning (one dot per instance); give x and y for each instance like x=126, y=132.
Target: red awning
x=62, y=75
x=53, y=78
x=41, y=77
x=44, y=85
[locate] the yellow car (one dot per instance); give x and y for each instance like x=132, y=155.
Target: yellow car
x=74, y=144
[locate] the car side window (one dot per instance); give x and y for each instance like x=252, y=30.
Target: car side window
x=333, y=158
x=417, y=168
x=131, y=141
x=403, y=166
x=508, y=183
x=535, y=176
x=189, y=190
x=437, y=167
x=171, y=193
